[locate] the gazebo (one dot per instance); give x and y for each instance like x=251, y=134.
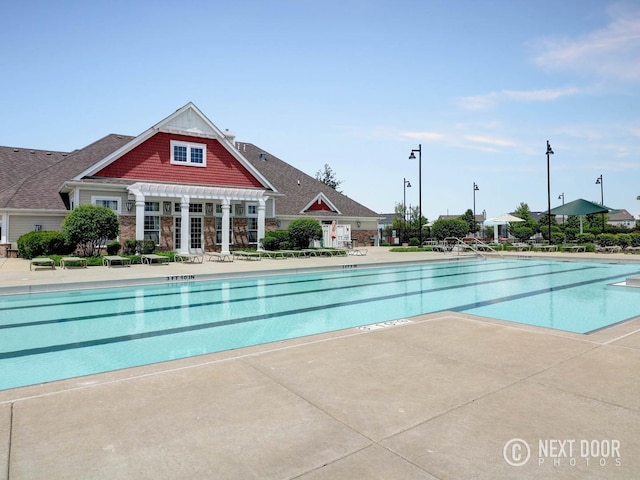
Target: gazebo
x=580, y=208
x=503, y=219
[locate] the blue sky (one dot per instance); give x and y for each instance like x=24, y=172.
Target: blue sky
x=356, y=84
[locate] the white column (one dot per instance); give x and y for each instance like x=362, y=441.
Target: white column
x=139, y=217
x=226, y=219
x=5, y=228
x=261, y=221
x=185, y=231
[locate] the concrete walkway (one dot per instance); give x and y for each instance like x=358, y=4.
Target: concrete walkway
x=447, y=396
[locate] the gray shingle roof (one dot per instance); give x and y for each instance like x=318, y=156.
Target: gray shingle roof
x=297, y=196
x=38, y=176
x=37, y=183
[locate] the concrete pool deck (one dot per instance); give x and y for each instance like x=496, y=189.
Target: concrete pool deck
x=445, y=395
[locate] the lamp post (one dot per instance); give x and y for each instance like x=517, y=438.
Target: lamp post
x=405, y=184
x=601, y=183
x=475, y=189
x=561, y=196
x=549, y=152
x=413, y=157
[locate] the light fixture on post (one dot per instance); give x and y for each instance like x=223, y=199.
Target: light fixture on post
x=549, y=152
x=601, y=183
x=561, y=196
x=475, y=189
x=405, y=184
x=413, y=157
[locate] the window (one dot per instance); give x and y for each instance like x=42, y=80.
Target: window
x=152, y=221
x=252, y=223
x=193, y=154
x=110, y=202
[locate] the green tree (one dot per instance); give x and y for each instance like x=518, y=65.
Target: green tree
x=303, y=230
x=449, y=228
x=328, y=177
x=471, y=222
x=90, y=227
x=524, y=212
x=523, y=231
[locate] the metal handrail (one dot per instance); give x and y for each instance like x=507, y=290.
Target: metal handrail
x=475, y=249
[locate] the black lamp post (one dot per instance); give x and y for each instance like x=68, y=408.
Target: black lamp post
x=405, y=184
x=561, y=196
x=549, y=152
x=413, y=157
x=601, y=183
x=475, y=189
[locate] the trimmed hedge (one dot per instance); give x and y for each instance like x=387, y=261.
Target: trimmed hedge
x=47, y=242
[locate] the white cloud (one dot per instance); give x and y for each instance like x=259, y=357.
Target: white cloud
x=611, y=52
x=480, y=102
x=498, y=142
x=424, y=136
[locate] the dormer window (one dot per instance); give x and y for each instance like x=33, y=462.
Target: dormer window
x=184, y=153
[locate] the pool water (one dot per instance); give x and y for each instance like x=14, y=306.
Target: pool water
x=51, y=336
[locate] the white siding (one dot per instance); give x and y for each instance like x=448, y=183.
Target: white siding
x=21, y=224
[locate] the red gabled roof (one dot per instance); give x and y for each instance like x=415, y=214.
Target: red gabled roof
x=151, y=160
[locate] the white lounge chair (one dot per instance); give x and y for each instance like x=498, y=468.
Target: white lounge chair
x=42, y=262
x=111, y=260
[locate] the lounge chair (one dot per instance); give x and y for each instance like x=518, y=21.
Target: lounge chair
x=111, y=260
x=357, y=252
x=77, y=261
x=241, y=254
x=153, y=258
x=189, y=257
x=220, y=257
x=42, y=262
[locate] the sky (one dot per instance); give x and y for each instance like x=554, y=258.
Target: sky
x=480, y=85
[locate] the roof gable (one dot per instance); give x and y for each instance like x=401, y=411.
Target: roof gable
x=189, y=124
x=320, y=203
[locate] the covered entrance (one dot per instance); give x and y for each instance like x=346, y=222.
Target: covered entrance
x=188, y=225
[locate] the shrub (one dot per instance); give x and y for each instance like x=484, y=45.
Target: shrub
x=635, y=239
x=606, y=239
x=623, y=239
x=276, y=240
x=48, y=242
x=523, y=231
x=303, y=230
x=113, y=248
x=414, y=242
x=557, y=237
x=585, y=238
x=130, y=246
x=148, y=246
x=90, y=226
x=449, y=228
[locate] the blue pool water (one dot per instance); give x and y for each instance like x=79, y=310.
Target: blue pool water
x=45, y=337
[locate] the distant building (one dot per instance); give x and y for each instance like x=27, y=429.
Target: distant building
x=621, y=218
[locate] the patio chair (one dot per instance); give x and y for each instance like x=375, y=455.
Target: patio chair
x=151, y=258
x=42, y=262
x=111, y=260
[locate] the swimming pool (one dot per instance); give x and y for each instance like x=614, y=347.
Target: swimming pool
x=51, y=336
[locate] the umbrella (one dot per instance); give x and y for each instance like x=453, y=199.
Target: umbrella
x=581, y=207
x=501, y=220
